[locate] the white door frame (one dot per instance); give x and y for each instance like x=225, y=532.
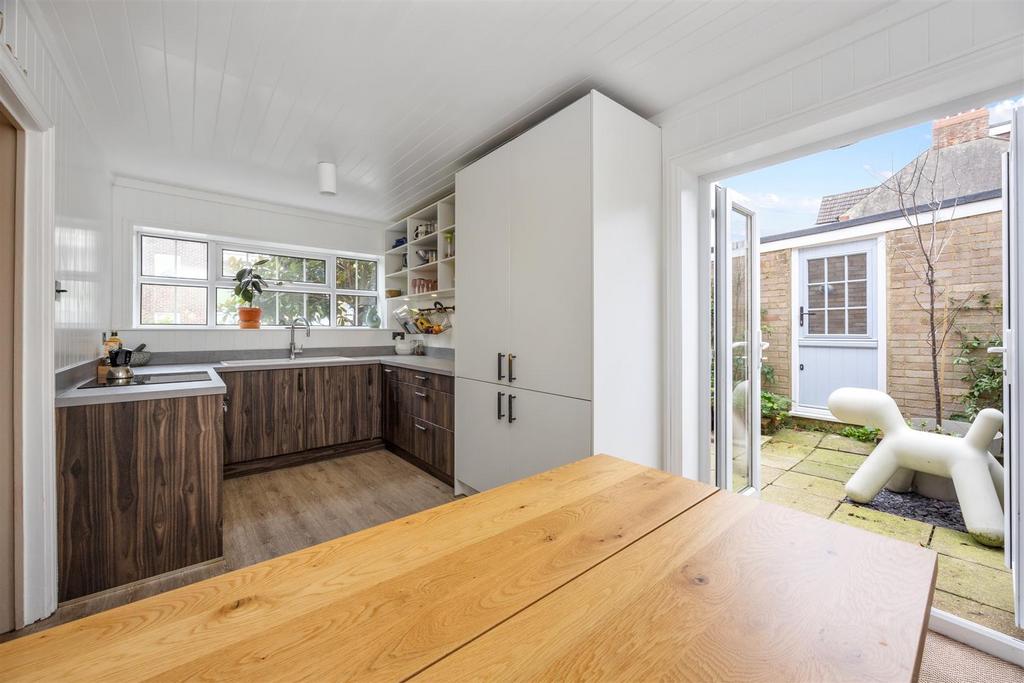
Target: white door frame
x=35, y=533
x=687, y=233
x=881, y=291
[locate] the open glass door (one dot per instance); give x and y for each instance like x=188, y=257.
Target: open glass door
x=1013, y=318
x=737, y=360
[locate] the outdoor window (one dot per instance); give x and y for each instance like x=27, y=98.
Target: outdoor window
x=190, y=282
x=837, y=294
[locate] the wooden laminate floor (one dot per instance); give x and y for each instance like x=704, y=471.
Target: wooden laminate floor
x=277, y=512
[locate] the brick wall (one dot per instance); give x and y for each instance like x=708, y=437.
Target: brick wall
x=776, y=317
x=971, y=263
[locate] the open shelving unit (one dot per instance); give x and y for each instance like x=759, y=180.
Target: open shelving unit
x=427, y=255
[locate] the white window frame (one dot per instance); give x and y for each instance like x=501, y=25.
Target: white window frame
x=215, y=279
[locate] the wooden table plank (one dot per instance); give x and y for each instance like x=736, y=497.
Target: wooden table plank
x=379, y=604
x=735, y=589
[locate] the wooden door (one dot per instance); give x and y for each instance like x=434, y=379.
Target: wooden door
x=482, y=268
x=551, y=262
x=265, y=414
x=342, y=404
x=481, y=434
x=547, y=431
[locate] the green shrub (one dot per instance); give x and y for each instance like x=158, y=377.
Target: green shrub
x=774, y=411
x=865, y=434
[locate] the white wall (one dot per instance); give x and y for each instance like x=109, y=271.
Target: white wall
x=82, y=195
x=906, y=64
x=140, y=202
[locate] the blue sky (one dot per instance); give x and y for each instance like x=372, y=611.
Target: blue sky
x=786, y=196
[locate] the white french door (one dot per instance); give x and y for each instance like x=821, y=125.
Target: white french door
x=1013, y=318
x=737, y=347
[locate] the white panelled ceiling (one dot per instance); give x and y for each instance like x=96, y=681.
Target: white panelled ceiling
x=245, y=97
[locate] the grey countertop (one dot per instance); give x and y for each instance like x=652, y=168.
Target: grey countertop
x=215, y=385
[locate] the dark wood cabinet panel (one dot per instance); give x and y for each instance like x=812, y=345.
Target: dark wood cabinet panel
x=138, y=490
x=343, y=404
x=434, y=446
x=427, y=404
x=419, y=378
x=418, y=421
x=266, y=414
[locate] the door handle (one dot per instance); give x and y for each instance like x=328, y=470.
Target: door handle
x=511, y=371
x=501, y=395
x=804, y=313
x=511, y=416
x=501, y=357
x=301, y=375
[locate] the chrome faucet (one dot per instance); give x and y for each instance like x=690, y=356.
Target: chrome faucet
x=291, y=344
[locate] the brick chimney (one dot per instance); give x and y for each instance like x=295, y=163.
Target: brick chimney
x=953, y=130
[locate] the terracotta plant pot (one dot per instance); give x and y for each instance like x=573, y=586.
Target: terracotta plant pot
x=249, y=317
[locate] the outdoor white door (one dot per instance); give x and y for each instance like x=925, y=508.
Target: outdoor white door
x=837, y=340
x=738, y=347
x=1013, y=318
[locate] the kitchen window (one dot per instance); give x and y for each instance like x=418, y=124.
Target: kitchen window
x=188, y=282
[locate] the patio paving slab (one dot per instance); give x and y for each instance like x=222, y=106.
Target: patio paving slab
x=975, y=582
x=799, y=437
x=838, y=442
x=799, y=500
x=825, y=470
x=782, y=455
x=769, y=474
x=962, y=546
x=997, y=619
x=851, y=460
x=826, y=488
x=883, y=523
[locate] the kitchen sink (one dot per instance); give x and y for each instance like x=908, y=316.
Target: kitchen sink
x=311, y=360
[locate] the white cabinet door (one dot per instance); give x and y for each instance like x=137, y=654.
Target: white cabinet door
x=482, y=269
x=547, y=431
x=481, y=436
x=551, y=256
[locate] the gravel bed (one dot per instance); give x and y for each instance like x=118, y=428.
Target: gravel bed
x=915, y=506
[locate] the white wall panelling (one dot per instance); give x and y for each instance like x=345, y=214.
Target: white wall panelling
x=245, y=97
x=137, y=202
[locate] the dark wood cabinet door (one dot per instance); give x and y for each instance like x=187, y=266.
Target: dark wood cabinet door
x=266, y=414
x=138, y=490
x=343, y=404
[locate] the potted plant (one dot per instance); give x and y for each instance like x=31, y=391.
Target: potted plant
x=250, y=284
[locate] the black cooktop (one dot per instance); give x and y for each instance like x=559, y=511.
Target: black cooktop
x=169, y=378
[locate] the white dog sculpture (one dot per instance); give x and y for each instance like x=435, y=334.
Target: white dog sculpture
x=976, y=475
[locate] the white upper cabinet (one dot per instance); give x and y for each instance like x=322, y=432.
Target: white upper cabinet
x=550, y=271
x=483, y=267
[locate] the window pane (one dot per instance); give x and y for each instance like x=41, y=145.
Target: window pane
x=836, y=268
x=173, y=305
x=279, y=308
x=836, y=321
x=836, y=295
x=277, y=268
x=346, y=310
x=816, y=322
x=858, y=321
x=164, y=257
x=816, y=270
x=857, y=293
x=816, y=296
x=357, y=274
x=858, y=266
x=365, y=305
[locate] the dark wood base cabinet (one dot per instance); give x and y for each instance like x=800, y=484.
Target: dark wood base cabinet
x=138, y=490
x=419, y=419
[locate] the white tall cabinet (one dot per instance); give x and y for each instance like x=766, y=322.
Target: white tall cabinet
x=559, y=297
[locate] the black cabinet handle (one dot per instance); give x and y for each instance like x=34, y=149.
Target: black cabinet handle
x=511, y=417
x=511, y=372
x=501, y=357
x=501, y=395
x=301, y=375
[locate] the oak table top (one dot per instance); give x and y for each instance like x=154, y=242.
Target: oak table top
x=599, y=570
